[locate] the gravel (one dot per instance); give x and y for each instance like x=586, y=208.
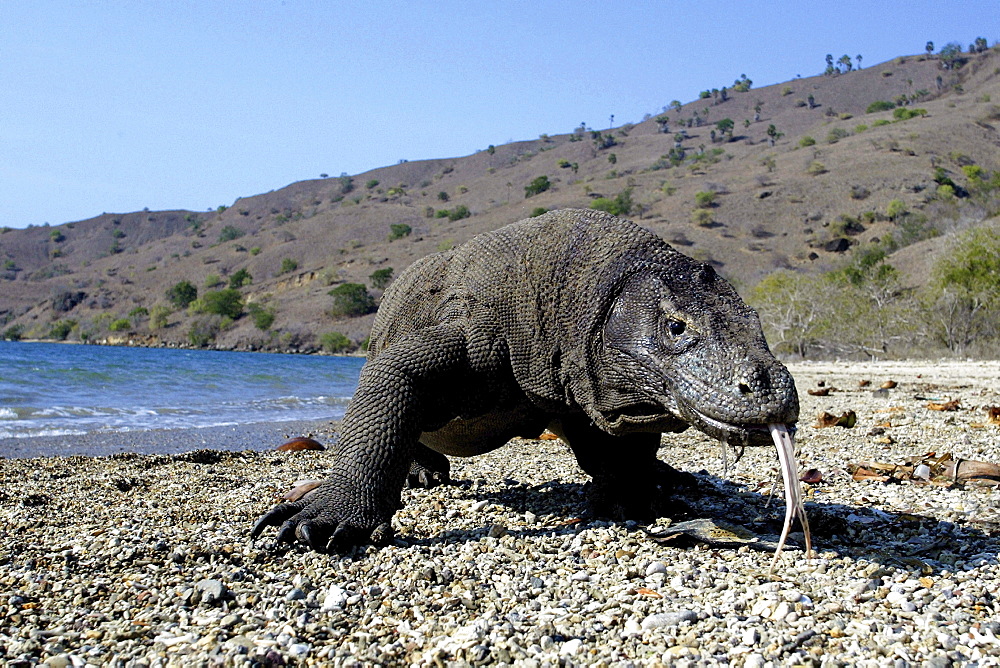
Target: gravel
x=143, y=559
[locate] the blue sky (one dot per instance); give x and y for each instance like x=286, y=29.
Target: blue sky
x=116, y=106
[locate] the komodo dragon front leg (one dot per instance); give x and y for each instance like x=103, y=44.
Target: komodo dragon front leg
x=406, y=390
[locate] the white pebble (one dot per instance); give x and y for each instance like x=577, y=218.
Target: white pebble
x=336, y=597
x=655, y=567
x=571, y=647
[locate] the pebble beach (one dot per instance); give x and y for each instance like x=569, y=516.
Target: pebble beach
x=134, y=559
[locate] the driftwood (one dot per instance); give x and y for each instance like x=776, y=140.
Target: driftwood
x=994, y=414
x=846, y=420
x=929, y=468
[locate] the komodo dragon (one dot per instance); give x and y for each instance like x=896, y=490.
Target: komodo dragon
x=574, y=320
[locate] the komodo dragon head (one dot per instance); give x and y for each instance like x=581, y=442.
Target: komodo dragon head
x=679, y=347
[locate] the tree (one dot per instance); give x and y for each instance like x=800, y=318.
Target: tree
x=979, y=45
x=351, y=299
x=830, y=69
x=539, y=185
x=227, y=303
x=725, y=127
x=240, y=278
x=858, y=58
x=182, y=294
x=963, y=301
x=773, y=135
x=951, y=56
x=676, y=105
x=929, y=48
x=845, y=61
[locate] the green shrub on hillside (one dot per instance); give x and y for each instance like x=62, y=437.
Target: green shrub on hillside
x=351, y=299
x=61, y=329
x=334, y=342
x=120, y=325
x=458, y=213
x=705, y=199
x=227, y=303
x=13, y=333
x=288, y=265
x=182, y=294
x=816, y=168
x=229, y=233
x=836, y=134
x=537, y=211
x=621, y=205
x=381, y=278
x=262, y=317
x=539, y=185
x=807, y=141
x=399, y=230
x=204, y=330
x=879, y=105
x=895, y=209
x=158, y=316
x=240, y=279
x=702, y=217
x=906, y=113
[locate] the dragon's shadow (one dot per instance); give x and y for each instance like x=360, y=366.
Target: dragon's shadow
x=919, y=543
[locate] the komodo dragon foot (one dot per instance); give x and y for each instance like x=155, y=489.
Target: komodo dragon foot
x=642, y=495
x=325, y=521
x=428, y=469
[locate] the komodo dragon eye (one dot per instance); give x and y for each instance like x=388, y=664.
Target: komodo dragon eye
x=676, y=327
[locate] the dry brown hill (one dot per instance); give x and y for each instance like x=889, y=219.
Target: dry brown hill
x=784, y=205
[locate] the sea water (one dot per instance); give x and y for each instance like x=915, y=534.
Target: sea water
x=51, y=389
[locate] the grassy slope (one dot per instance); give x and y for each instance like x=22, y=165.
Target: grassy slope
x=764, y=218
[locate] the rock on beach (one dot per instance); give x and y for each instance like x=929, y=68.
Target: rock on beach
x=143, y=559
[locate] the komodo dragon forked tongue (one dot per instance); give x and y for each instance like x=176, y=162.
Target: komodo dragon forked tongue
x=793, y=491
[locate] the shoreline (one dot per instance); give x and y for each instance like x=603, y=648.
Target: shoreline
x=259, y=436
x=126, y=342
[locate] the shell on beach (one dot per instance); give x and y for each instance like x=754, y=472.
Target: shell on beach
x=299, y=444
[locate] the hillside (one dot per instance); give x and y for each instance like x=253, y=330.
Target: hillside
x=778, y=203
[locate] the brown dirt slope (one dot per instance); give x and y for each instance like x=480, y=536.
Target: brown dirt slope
x=770, y=212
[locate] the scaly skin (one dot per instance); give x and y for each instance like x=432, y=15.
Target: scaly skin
x=574, y=320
